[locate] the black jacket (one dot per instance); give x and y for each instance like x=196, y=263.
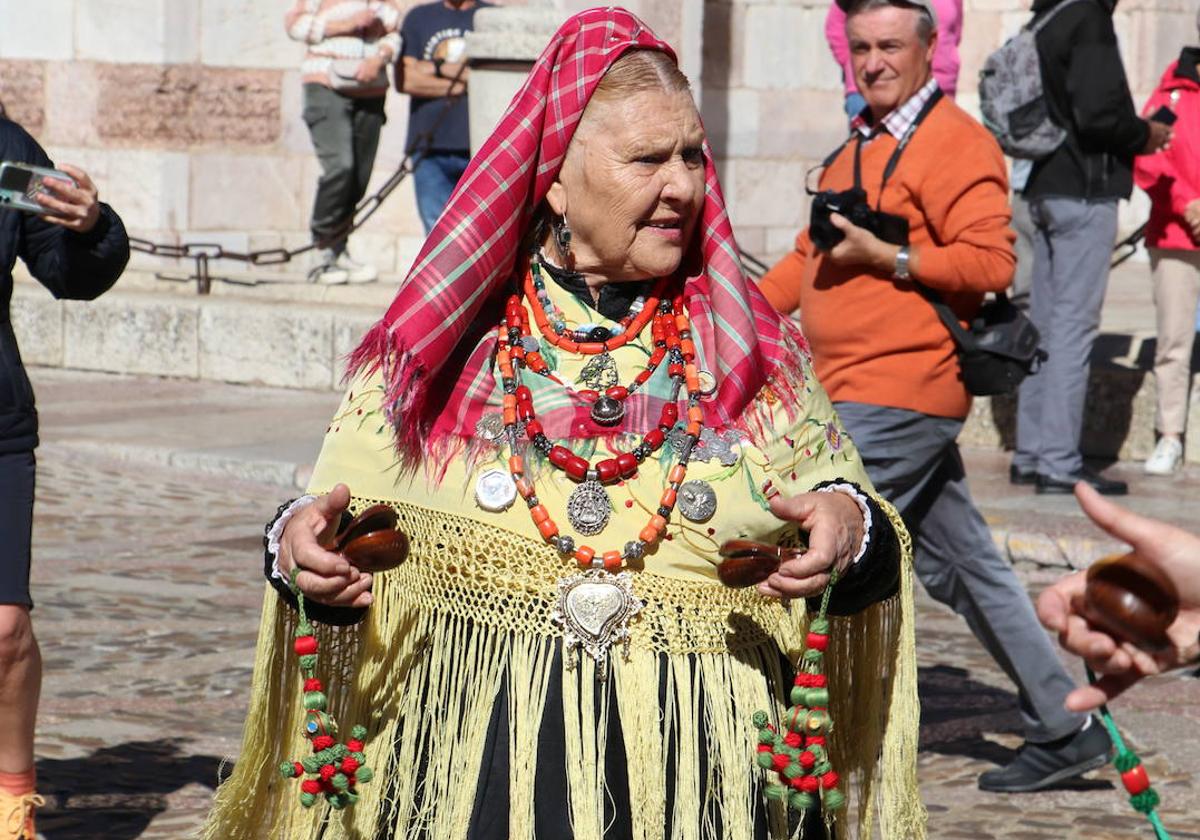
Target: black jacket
x=1089, y=96
x=73, y=266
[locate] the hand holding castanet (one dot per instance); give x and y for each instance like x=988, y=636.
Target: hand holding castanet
x=1131, y=599
x=371, y=541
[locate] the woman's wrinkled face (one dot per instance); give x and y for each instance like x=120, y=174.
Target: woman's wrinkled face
x=632, y=186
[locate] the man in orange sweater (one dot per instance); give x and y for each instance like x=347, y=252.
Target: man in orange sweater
x=890, y=364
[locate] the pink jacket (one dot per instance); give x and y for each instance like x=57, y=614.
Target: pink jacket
x=945, y=60
x=1171, y=177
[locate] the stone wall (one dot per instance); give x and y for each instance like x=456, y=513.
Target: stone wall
x=188, y=113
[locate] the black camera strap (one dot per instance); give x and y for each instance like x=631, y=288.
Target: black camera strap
x=889, y=168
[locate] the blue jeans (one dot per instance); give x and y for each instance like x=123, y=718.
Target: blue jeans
x=435, y=176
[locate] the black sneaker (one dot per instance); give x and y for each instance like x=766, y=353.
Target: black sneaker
x=1055, y=483
x=1039, y=766
x=1016, y=475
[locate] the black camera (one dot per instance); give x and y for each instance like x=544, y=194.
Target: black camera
x=852, y=204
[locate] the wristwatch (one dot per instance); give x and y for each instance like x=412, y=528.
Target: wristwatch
x=437, y=67
x=901, y=271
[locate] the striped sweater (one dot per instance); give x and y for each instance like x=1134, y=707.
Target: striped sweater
x=309, y=21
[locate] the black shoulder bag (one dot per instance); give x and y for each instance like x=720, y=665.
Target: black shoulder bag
x=999, y=349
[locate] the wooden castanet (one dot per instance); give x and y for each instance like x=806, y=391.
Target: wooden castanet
x=746, y=563
x=371, y=541
x=1131, y=599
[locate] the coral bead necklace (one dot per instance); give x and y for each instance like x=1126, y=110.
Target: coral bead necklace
x=600, y=374
x=595, y=606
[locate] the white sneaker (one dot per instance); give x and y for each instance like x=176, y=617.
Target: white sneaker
x=356, y=272
x=1165, y=459
x=327, y=272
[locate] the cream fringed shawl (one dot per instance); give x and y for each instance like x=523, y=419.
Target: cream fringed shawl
x=469, y=613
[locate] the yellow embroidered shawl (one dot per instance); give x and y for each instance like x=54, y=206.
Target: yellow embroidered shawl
x=470, y=612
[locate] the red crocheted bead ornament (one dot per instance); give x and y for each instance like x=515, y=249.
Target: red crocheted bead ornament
x=1136, y=780
x=305, y=645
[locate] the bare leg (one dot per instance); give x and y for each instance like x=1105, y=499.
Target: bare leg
x=20, y=688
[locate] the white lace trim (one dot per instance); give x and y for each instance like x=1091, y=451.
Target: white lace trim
x=276, y=533
x=861, y=501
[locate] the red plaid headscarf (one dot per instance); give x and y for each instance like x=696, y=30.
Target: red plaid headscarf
x=436, y=342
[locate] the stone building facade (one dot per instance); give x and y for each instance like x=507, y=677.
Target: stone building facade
x=187, y=112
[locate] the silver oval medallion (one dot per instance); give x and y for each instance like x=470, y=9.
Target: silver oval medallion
x=708, y=383
x=495, y=491
x=588, y=508
x=697, y=500
x=490, y=427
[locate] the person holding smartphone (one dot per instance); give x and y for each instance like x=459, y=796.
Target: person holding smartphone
x=1171, y=178
x=76, y=248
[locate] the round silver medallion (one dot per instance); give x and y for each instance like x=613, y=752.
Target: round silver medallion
x=495, y=491
x=607, y=411
x=697, y=500
x=489, y=427
x=708, y=383
x=588, y=508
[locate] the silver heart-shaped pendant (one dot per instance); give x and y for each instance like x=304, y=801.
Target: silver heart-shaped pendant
x=594, y=610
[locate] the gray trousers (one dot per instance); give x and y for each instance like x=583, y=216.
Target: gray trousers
x=1072, y=251
x=1023, y=278
x=345, y=136
x=914, y=462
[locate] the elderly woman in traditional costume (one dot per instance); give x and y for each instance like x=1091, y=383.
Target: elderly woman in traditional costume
x=574, y=402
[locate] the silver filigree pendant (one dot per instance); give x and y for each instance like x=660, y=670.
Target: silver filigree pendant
x=594, y=610
x=588, y=508
x=697, y=500
x=490, y=427
x=712, y=446
x=600, y=372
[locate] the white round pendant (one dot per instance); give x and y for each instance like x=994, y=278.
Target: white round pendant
x=495, y=491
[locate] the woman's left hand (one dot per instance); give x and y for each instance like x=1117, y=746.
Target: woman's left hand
x=73, y=206
x=834, y=524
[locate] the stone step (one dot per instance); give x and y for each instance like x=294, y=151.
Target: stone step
x=289, y=337
x=260, y=326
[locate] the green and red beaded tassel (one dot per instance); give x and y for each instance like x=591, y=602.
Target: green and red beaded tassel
x=1142, y=796
x=798, y=757
x=336, y=769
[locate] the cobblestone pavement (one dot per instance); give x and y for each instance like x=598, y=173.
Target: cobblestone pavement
x=148, y=591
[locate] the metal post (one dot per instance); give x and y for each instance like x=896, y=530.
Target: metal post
x=203, y=281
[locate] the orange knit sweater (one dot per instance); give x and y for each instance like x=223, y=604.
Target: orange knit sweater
x=874, y=339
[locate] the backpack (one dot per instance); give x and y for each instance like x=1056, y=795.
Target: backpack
x=1012, y=99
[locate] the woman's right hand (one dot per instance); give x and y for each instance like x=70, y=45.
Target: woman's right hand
x=324, y=576
x=1121, y=664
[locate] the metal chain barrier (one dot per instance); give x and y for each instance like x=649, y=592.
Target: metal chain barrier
x=201, y=253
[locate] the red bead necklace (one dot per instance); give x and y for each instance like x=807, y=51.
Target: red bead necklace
x=671, y=329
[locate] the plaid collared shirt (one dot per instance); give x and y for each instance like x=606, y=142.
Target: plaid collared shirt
x=900, y=119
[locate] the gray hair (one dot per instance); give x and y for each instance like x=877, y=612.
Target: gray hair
x=925, y=22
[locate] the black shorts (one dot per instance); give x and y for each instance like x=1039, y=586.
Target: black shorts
x=16, y=525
